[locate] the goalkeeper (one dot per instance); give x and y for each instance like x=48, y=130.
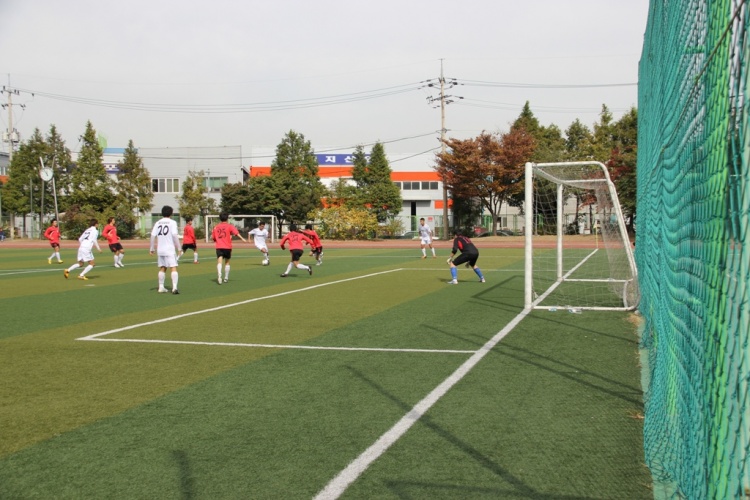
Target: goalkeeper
x=469, y=255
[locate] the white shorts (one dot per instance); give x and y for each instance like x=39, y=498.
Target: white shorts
x=262, y=248
x=166, y=260
x=427, y=240
x=85, y=255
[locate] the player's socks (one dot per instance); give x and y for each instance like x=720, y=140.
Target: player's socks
x=162, y=276
x=479, y=273
x=226, y=273
x=86, y=270
x=454, y=273
x=175, y=277
x=288, y=268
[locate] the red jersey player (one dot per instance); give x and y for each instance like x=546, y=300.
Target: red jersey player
x=188, y=239
x=296, y=242
x=53, y=235
x=317, y=247
x=110, y=233
x=222, y=235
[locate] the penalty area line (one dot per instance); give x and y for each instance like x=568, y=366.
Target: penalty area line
x=283, y=346
x=227, y=306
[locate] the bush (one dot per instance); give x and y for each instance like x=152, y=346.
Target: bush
x=342, y=223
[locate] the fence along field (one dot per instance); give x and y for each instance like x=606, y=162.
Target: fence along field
x=221, y=418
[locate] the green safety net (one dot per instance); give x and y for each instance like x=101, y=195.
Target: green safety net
x=691, y=253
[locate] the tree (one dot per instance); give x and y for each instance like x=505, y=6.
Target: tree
x=489, y=167
x=294, y=174
x=23, y=186
x=255, y=197
x=134, y=194
x=89, y=186
x=375, y=189
x=194, y=199
x=622, y=163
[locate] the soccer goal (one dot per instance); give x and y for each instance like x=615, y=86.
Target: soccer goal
x=243, y=223
x=577, y=251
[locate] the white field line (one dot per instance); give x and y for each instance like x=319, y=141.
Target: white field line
x=282, y=346
x=343, y=479
x=227, y=306
x=62, y=267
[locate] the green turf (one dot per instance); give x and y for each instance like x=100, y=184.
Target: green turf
x=551, y=412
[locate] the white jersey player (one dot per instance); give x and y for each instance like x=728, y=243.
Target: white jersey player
x=167, y=243
x=260, y=235
x=87, y=240
x=425, y=237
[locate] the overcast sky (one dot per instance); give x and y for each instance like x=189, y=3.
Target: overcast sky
x=228, y=72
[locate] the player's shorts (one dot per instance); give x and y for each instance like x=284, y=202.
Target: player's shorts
x=296, y=255
x=426, y=240
x=317, y=250
x=189, y=246
x=54, y=244
x=166, y=260
x=115, y=247
x=471, y=258
x=85, y=255
x=226, y=253
x=262, y=248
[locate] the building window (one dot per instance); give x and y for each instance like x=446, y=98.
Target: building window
x=433, y=185
x=214, y=184
x=398, y=184
x=165, y=185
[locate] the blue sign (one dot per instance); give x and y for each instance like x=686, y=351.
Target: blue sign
x=337, y=159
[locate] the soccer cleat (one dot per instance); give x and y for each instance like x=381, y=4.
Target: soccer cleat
x=481, y=280
x=434, y=256
x=66, y=273
x=309, y=271
x=49, y=261
x=195, y=262
x=424, y=256
x=226, y=280
x=283, y=275
x=452, y=282
x=163, y=290
x=318, y=263
x=121, y=264
x=59, y=262
x=219, y=281
x=82, y=277
x=175, y=292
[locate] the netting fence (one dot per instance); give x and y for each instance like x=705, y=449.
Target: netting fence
x=693, y=262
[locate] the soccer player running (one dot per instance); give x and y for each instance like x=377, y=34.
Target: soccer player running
x=110, y=233
x=260, y=235
x=425, y=236
x=222, y=235
x=296, y=241
x=87, y=240
x=53, y=235
x=317, y=246
x=164, y=239
x=469, y=255
x=188, y=240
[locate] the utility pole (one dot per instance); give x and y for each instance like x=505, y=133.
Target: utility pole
x=444, y=100
x=11, y=135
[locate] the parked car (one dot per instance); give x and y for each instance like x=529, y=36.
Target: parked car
x=409, y=235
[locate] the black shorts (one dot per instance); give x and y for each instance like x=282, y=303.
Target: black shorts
x=115, y=247
x=318, y=250
x=189, y=246
x=224, y=252
x=471, y=258
x=54, y=245
x=296, y=255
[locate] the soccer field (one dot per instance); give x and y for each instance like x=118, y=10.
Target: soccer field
x=371, y=378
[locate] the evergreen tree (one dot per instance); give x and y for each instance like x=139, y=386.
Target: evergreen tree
x=375, y=189
x=134, y=194
x=21, y=193
x=296, y=184
x=89, y=186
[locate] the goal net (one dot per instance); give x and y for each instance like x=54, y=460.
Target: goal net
x=577, y=251
x=243, y=223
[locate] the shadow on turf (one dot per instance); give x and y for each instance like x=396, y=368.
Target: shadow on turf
x=521, y=489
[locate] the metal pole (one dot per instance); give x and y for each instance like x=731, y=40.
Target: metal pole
x=442, y=149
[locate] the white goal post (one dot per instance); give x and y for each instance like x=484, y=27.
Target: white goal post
x=247, y=222
x=586, y=261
